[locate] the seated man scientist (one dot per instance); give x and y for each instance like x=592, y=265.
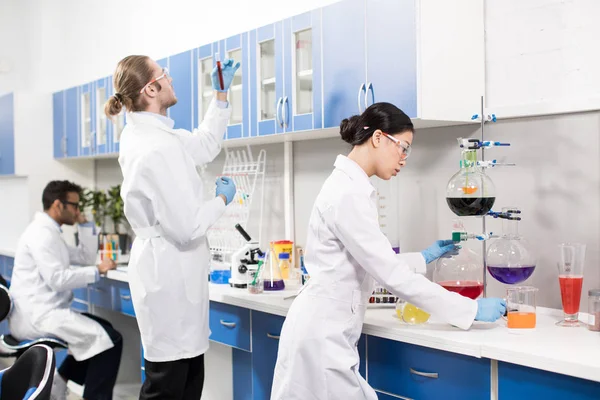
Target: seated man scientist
x=41, y=288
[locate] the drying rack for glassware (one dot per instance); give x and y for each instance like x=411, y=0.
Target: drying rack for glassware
x=248, y=174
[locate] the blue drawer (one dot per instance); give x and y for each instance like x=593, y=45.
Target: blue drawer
x=82, y=294
x=101, y=294
x=516, y=382
x=79, y=306
x=122, y=299
x=421, y=373
x=266, y=329
x=230, y=325
x=9, y=264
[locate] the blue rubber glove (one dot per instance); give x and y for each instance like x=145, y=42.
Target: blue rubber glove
x=228, y=70
x=226, y=187
x=490, y=309
x=439, y=249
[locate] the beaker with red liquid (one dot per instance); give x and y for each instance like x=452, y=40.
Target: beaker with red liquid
x=571, y=262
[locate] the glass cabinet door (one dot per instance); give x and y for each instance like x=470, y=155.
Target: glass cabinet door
x=303, y=95
x=205, y=90
x=86, y=121
x=101, y=119
x=235, y=90
x=267, y=80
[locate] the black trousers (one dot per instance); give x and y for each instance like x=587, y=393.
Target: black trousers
x=98, y=374
x=174, y=380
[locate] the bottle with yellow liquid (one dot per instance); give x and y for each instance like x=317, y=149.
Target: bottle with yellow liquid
x=410, y=313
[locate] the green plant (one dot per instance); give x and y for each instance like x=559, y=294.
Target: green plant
x=85, y=200
x=99, y=201
x=115, y=208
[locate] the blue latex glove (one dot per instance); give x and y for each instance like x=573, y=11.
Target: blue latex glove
x=228, y=70
x=439, y=249
x=490, y=309
x=226, y=187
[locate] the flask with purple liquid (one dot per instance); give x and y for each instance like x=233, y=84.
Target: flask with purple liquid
x=510, y=259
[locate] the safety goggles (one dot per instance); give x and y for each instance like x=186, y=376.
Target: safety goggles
x=165, y=74
x=403, y=147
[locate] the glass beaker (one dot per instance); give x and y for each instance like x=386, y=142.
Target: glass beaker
x=462, y=273
x=255, y=282
x=410, y=313
x=510, y=259
x=272, y=274
x=571, y=262
x=470, y=192
x=521, y=307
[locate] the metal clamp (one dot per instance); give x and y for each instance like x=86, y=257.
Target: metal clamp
x=432, y=375
x=369, y=89
x=277, y=112
x=272, y=336
x=362, y=88
x=227, y=324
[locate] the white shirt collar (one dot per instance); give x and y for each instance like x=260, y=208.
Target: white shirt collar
x=355, y=172
x=165, y=120
x=45, y=218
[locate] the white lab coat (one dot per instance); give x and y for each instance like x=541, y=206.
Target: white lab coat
x=345, y=250
x=42, y=286
x=168, y=267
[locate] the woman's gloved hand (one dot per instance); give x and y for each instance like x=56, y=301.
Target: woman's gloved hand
x=225, y=187
x=490, y=309
x=228, y=70
x=438, y=249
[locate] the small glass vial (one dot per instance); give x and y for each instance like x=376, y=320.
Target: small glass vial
x=594, y=310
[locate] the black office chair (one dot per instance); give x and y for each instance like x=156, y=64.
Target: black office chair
x=11, y=347
x=30, y=377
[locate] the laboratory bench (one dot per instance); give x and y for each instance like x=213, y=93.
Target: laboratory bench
x=429, y=361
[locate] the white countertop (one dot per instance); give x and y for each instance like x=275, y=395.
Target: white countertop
x=7, y=252
x=569, y=351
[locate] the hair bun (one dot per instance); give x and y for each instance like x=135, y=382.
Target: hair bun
x=349, y=128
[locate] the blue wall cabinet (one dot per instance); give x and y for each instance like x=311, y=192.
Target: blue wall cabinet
x=114, y=126
x=516, y=382
x=266, y=90
x=236, y=47
x=99, y=119
x=204, y=61
x=302, y=102
x=86, y=109
x=7, y=135
x=58, y=127
x=266, y=329
x=72, y=121
x=421, y=373
x=392, y=54
x=344, y=67
x=180, y=68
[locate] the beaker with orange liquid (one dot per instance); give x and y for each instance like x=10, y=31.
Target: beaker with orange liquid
x=521, y=307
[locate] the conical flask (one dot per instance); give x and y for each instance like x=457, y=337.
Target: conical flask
x=470, y=192
x=462, y=273
x=510, y=258
x=273, y=279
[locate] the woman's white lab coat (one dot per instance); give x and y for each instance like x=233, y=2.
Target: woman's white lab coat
x=163, y=196
x=345, y=252
x=42, y=286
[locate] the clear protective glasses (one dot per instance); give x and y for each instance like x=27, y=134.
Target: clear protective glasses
x=165, y=74
x=403, y=146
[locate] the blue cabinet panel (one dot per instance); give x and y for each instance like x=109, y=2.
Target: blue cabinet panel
x=101, y=294
x=180, y=68
x=58, y=124
x=122, y=301
x=230, y=325
x=7, y=135
x=422, y=373
x=81, y=294
x=344, y=64
x=242, y=373
x=72, y=121
x=392, y=54
x=516, y=382
x=266, y=329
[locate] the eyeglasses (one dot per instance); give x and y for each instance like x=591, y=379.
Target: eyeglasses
x=165, y=74
x=404, y=147
x=76, y=205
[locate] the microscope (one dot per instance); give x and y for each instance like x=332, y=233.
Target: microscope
x=244, y=260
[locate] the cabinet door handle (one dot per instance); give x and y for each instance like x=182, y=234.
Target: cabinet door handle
x=227, y=324
x=125, y=297
x=369, y=89
x=278, y=112
x=272, y=336
x=360, y=89
x=432, y=375
x=285, y=112
x=97, y=289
